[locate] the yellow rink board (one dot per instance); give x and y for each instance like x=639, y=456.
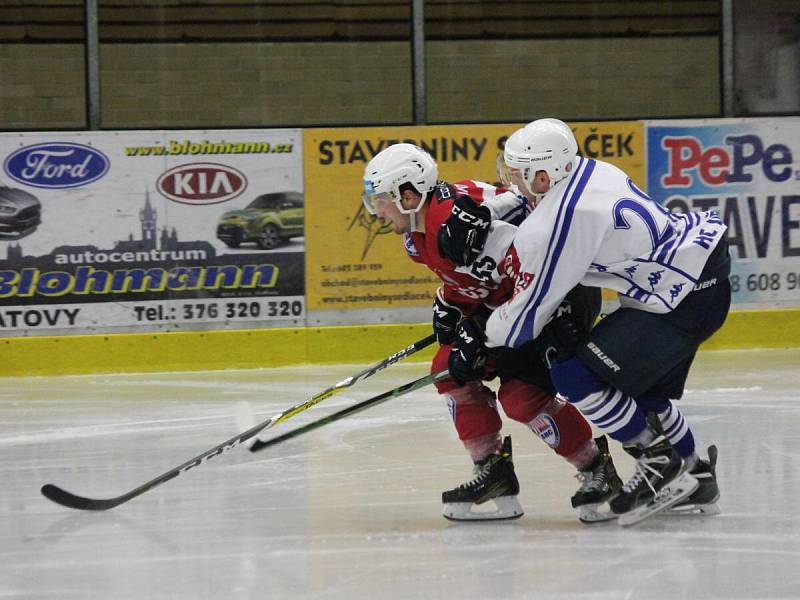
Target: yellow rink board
x=362, y=345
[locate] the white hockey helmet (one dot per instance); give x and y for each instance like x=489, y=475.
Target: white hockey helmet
x=543, y=145
x=393, y=167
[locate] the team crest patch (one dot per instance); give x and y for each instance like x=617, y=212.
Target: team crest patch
x=545, y=427
x=408, y=242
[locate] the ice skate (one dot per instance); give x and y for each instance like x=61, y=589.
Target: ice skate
x=491, y=495
x=657, y=484
x=703, y=501
x=599, y=483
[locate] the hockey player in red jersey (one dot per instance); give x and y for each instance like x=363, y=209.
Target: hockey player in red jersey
x=476, y=266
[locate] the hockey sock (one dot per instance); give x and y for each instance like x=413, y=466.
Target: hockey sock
x=643, y=439
x=609, y=409
x=675, y=426
x=584, y=455
x=482, y=446
x=678, y=432
x=562, y=424
x=556, y=422
x=472, y=407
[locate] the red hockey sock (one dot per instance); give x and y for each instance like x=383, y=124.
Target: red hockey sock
x=559, y=424
x=474, y=413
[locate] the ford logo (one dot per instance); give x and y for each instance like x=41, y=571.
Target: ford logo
x=201, y=183
x=56, y=165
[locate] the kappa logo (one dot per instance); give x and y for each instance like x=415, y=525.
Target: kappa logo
x=201, y=183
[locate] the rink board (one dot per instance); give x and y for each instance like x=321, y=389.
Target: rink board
x=213, y=350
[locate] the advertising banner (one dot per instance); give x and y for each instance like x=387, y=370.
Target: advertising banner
x=355, y=262
x=154, y=230
x=748, y=170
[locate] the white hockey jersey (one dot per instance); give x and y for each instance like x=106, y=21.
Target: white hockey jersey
x=597, y=228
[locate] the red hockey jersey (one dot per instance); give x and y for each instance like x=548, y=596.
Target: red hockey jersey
x=490, y=279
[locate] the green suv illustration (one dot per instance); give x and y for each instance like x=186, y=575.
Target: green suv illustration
x=269, y=220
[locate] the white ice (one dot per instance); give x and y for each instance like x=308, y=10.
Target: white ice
x=352, y=510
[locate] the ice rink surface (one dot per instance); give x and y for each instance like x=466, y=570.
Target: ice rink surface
x=352, y=510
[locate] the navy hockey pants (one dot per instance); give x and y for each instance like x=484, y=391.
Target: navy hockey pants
x=648, y=355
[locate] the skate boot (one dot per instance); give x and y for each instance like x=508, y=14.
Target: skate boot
x=495, y=482
x=703, y=501
x=658, y=483
x=599, y=483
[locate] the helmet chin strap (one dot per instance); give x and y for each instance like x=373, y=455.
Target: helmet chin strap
x=533, y=198
x=412, y=215
x=412, y=219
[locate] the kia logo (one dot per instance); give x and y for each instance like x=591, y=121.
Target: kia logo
x=201, y=183
x=56, y=165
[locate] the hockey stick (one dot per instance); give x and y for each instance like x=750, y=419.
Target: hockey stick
x=375, y=400
x=65, y=498
x=342, y=385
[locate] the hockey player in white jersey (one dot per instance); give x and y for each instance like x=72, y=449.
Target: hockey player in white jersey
x=593, y=226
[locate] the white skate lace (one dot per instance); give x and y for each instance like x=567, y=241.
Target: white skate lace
x=481, y=472
x=643, y=468
x=590, y=480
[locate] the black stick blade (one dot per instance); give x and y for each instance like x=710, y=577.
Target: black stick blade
x=64, y=498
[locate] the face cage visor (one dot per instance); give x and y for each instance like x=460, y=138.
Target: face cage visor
x=372, y=200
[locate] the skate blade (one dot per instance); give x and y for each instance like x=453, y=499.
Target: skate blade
x=497, y=509
x=675, y=491
x=591, y=513
x=693, y=510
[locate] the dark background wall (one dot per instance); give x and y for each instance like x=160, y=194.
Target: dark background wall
x=267, y=63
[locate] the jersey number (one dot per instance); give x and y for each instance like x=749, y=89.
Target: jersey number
x=631, y=205
x=482, y=269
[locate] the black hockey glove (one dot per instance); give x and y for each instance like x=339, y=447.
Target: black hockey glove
x=467, y=360
x=463, y=235
x=561, y=337
x=445, y=319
